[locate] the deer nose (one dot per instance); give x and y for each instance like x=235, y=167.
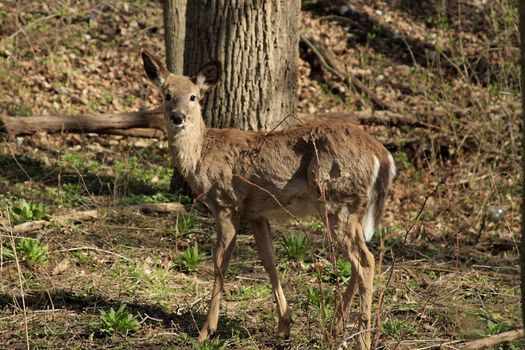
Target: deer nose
x=177, y=118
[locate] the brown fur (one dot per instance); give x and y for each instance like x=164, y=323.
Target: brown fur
x=262, y=177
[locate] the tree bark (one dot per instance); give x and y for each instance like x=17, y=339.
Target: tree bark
x=174, y=34
x=522, y=253
x=258, y=43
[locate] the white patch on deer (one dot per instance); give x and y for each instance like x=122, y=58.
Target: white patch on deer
x=201, y=82
x=392, y=166
x=369, y=219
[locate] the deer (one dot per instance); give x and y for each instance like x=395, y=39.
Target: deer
x=326, y=167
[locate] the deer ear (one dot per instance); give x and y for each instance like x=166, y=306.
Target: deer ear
x=209, y=75
x=155, y=70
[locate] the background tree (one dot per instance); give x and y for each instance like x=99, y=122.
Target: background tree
x=258, y=44
x=174, y=34
x=522, y=253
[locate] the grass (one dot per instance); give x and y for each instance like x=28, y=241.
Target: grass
x=251, y=292
x=79, y=162
x=398, y=329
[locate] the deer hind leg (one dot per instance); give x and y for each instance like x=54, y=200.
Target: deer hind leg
x=344, y=303
x=227, y=224
x=263, y=240
x=349, y=234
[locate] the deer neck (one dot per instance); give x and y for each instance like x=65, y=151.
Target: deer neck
x=186, y=147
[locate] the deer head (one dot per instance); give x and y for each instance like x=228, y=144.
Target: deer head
x=181, y=94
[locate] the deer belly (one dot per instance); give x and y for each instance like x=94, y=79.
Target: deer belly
x=281, y=206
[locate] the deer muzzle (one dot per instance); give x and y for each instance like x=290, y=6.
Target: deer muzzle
x=177, y=118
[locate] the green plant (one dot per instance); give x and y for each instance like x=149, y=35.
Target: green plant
x=6, y=253
x=495, y=324
x=211, y=344
x=72, y=195
x=190, y=259
x=344, y=271
x=397, y=329
x=320, y=303
x=494, y=327
x=152, y=198
x=79, y=162
x=83, y=258
x=184, y=223
x=402, y=160
x=295, y=246
x=32, y=251
x=314, y=223
x=120, y=321
x=26, y=211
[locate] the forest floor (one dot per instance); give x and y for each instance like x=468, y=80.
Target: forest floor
x=447, y=252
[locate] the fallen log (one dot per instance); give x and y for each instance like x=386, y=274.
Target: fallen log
x=151, y=123
x=107, y=122
x=370, y=118
x=493, y=340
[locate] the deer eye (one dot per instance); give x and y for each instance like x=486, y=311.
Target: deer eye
x=192, y=98
x=167, y=97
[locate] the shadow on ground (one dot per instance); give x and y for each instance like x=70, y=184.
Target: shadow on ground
x=180, y=322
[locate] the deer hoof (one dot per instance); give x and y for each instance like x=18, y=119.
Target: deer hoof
x=205, y=333
x=283, y=329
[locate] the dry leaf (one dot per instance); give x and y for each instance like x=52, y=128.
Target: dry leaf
x=61, y=267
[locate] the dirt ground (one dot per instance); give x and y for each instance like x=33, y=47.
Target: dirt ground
x=447, y=252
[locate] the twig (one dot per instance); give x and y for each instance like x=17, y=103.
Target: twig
x=382, y=290
x=341, y=19
x=493, y=340
x=422, y=208
x=343, y=344
x=94, y=249
x=20, y=281
x=323, y=54
x=22, y=30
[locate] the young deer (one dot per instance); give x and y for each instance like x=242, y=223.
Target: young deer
x=332, y=168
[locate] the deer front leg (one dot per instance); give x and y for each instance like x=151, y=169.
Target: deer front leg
x=227, y=224
x=263, y=240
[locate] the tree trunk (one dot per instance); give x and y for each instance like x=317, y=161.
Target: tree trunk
x=174, y=34
x=522, y=252
x=257, y=42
